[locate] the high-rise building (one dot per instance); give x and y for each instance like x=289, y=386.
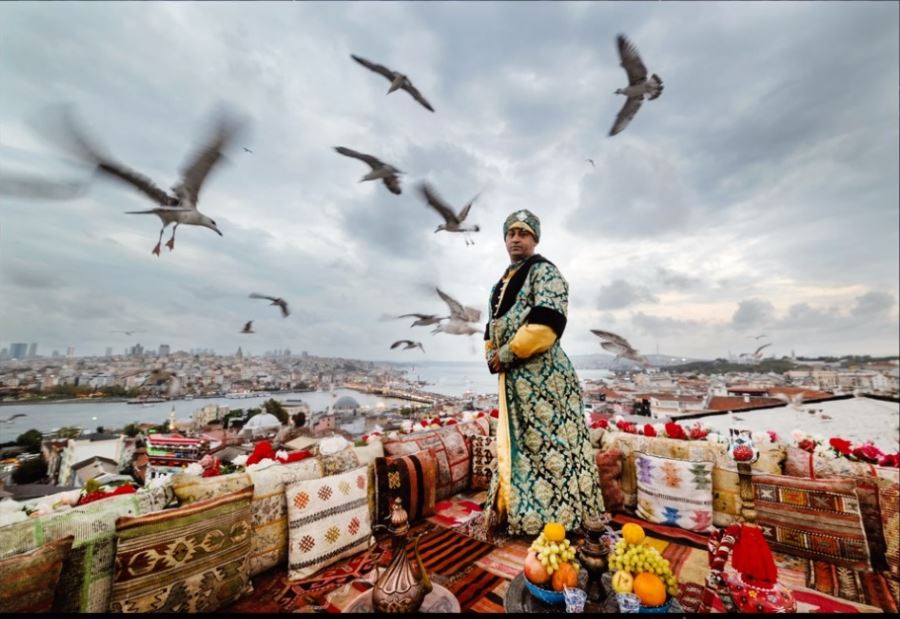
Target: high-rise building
x=163, y=350
x=109, y=351
x=18, y=350
x=137, y=350
x=32, y=350
x=70, y=352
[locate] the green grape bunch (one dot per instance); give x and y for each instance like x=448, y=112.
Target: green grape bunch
x=637, y=558
x=553, y=554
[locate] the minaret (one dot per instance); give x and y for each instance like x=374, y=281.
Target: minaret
x=172, y=419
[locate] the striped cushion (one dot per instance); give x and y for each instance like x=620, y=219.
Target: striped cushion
x=814, y=519
x=450, y=451
x=28, y=580
x=412, y=478
x=328, y=519
x=191, y=559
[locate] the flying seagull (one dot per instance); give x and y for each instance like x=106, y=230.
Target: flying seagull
x=247, y=150
x=407, y=345
x=179, y=206
x=397, y=80
x=612, y=337
x=591, y=161
x=458, y=312
x=132, y=332
x=248, y=328
x=456, y=327
x=274, y=301
x=423, y=320
x=638, y=84
x=386, y=172
x=11, y=417
x=452, y=221
x=757, y=353
x=757, y=337
x=618, y=345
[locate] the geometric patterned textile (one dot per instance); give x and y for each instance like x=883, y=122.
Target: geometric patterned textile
x=609, y=468
x=726, y=482
x=340, y=462
x=889, y=502
x=484, y=460
x=190, y=559
x=269, y=536
x=28, y=580
x=412, y=478
x=815, y=519
x=328, y=519
x=674, y=492
x=449, y=447
x=477, y=427
x=192, y=488
x=86, y=576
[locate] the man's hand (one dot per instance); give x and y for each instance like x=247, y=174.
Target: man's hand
x=494, y=363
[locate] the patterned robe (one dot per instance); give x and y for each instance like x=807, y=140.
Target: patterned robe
x=546, y=470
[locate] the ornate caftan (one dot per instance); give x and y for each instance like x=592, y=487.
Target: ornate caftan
x=546, y=471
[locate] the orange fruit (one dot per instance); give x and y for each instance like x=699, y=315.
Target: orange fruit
x=650, y=589
x=564, y=576
x=554, y=532
x=633, y=533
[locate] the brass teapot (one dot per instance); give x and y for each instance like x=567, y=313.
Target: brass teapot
x=403, y=586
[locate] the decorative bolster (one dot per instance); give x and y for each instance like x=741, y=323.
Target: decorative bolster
x=545, y=316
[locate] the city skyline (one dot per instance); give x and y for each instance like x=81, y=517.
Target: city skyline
x=758, y=194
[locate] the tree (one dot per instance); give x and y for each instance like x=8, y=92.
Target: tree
x=30, y=471
x=68, y=432
x=31, y=441
x=274, y=407
x=299, y=419
x=101, y=430
x=131, y=430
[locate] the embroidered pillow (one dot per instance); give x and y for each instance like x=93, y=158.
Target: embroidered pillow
x=192, y=559
x=476, y=427
x=28, y=580
x=484, y=461
x=609, y=467
x=449, y=447
x=328, y=519
x=269, y=537
x=814, y=519
x=674, y=492
x=889, y=502
x=727, y=502
x=192, y=488
x=340, y=462
x=412, y=478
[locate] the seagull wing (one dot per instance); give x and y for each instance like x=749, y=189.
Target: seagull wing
x=401, y=343
x=419, y=316
x=254, y=295
x=203, y=161
x=472, y=314
x=631, y=61
x=632, y=105
x=758, y=350
x=465, y=211
x=373, y=162
x=606, y=335
x=372, y=66
x=457, y=311
x=248, y=326
x=284, y=307
x=408, y=87
x=615, y=347
x=438, y=204
x=392, y=182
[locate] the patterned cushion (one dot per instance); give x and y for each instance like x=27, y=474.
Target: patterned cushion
x=801, y=463
x=412, y=478
x=674, y=492
x=814, y=519
x=87, y=572
x=476, y=427
x=28, y=580
x=889, y=502
x=727, y=502
x=328, y=519
x=609, y=466
x=192, y=488
x=484, y=460
x=269, y=537
x=340, y=462
x=449, y=447
x=190, y=559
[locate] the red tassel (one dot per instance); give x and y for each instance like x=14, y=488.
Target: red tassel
x=753, y=559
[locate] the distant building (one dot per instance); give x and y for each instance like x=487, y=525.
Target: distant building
x=4, y=353
x=210, y=412
x=137, y=350
x=55, y=354
x=108, y=351
x=163, y=350
x=78, y=451
x=32, y=350
x=70, y=352
x=18, y=350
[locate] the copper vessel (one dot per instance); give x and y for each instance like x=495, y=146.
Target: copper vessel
x=404, y=584
x=594, y=555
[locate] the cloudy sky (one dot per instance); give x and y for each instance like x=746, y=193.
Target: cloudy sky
x=758, y=194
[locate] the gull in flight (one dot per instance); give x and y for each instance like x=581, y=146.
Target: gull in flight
x=591, y=161
x=247, y=150
x=132, y=332
x=757, y=354
x=11, y=417
x=274, y=301
x=459, y=312
x=397, y=80
x=407, y=345
x=619, y=345
x=159, y=377
x=796, y=400
x=757, y=337
x=179, y=206
x=248, y=328
x=386, y=172
x=423, y=320
x=638, y=84
x=452, y=221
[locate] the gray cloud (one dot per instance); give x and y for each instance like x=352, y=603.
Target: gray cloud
x=619, y=294
x=752, y=313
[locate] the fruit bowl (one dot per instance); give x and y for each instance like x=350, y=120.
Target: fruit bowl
x=548, y=596
x=664, y=608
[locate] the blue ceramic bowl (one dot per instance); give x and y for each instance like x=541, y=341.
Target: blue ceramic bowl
x=656, y=609
x=548, y=596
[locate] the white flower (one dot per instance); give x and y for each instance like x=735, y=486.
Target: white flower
x=240, y=460
x=406, y=425
x=618, y=418
x=194, y=469
x=818, y=438
x=332, y=445
x=798, y=435
x=377, y=430
x=281, y=455
x=372, y=438
x=713, y=437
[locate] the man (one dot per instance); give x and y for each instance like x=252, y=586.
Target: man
x=140, y=465
x=545, y=466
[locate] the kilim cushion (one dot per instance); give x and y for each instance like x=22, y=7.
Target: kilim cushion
x=889, y=502
x=726, y=482
x=190, y=559
x=192, y=488
x=484, y=460
x=28, y=580
x=476, y=427
x=609, y=466
x=801, y=463
x=340, y=462
x=328, y=519
x=674, y=492
x=449, y=447
x=269, y=537
x=412, y=478
x=814, y=519
x=86, y=576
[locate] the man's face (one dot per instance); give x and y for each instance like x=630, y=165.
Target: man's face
x=519, y=244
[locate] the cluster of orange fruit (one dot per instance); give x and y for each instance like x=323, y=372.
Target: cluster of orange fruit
x=551, y=559
x=640, y=569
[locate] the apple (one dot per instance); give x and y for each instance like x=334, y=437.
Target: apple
x=534, y=571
